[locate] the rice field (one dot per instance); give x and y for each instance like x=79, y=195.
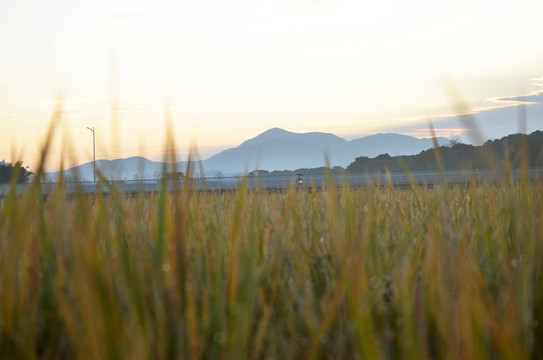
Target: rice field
x=342, y=273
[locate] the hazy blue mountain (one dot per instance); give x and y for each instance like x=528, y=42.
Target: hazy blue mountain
x=274, y=149
x=392, y=144
x=119, y=169
x=311, y=138
x=278, y=149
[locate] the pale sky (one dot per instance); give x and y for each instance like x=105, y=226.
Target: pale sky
x=231, y=69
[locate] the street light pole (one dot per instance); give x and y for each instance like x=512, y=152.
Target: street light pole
x=93, y=152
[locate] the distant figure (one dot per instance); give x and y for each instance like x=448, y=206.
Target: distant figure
x=299, y=180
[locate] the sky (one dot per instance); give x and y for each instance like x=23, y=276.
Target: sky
x=223, y=71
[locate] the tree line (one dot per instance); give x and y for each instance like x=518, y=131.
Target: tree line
x=512, y=149
x=10, y=172
x=304, y=171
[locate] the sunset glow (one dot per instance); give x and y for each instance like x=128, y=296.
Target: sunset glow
x=229, y=70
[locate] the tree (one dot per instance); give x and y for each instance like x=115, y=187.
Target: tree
x=455, y=140
x=9, y=171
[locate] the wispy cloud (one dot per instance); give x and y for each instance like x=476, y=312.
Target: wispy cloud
x=439, y=132
x=497, y=117
x=502, y=117
x=527, y=99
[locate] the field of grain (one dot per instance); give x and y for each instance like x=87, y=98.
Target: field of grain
x=370, y=273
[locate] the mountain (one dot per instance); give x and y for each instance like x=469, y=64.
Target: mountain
x=274, y=149
x=310, y=138
x=119, y=169
x=392, y=144
x=278, y=149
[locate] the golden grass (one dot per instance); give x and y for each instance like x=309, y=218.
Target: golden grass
x=343, y=273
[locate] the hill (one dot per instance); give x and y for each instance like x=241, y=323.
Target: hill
x=135, y=167
x=460, y=156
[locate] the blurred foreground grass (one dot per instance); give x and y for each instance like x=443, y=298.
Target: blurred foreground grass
x=371, y=273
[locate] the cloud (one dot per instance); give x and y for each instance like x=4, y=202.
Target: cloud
x=503, y=117
x=528, y=99
x=500, y=121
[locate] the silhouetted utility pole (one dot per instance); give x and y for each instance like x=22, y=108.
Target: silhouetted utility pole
x=93, y=153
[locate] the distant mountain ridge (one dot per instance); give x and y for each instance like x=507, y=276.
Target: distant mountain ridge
x=284, y=135
x=274, y=149
x=278, y=149
x=135, y=167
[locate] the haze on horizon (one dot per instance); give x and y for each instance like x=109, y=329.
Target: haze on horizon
x=228, y=70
